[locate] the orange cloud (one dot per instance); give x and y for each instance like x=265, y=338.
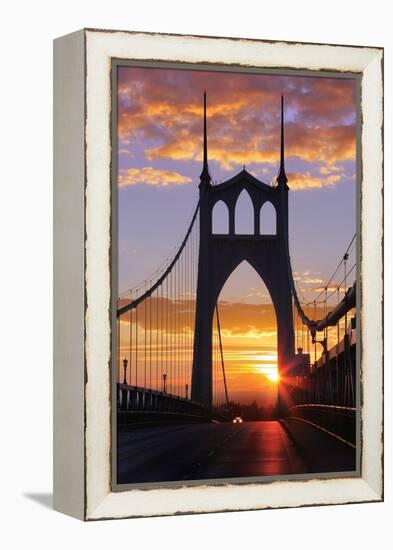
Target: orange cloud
x=238, y=320
x=151, y=176
x=298, y=181
x=311, y=280
x=330, y=144
x=327, y=170
x=163, y=109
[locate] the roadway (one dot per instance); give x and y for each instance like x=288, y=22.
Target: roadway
x=212, y=451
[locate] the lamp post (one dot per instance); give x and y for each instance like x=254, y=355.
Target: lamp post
x=125, y=364
x=186, y=391
x=164, y=377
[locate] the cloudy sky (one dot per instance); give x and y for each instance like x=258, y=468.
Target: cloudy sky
x=159, y=161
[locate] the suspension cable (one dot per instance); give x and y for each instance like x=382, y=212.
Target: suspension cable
x=168, y=270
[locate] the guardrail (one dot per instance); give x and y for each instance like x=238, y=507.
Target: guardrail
x=146, y=405
x=340, y=421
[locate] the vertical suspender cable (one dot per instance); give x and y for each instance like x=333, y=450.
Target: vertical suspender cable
x=118, y=350
x=130, y=344
x=345, y=287
x=156, y=343
x=315, y=337
x=136, y=347
x=145, y=342
x=166, y=344
x=172, y=370
x=150, y=364
x=177, y=328
x=161, y=335
x=184, y=313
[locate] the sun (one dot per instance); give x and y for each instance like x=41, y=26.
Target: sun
x=273, y=376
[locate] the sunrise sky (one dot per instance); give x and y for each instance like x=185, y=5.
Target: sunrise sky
x=159, y=163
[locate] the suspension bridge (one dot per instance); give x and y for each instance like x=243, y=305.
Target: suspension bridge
x=174, y=408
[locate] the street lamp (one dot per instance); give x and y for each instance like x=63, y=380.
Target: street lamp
x=125, y=364
x=164, y=377
x=186, y=391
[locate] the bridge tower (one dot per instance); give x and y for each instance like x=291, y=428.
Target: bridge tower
x=220, y=255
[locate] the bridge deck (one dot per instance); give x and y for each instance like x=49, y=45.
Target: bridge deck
x=213, y=451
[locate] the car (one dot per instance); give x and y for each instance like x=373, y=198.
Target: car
x=237, y=420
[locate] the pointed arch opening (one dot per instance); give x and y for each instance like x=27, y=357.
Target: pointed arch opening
x=220, y=219
x=244, y=214
x=268, y=219
x=248, y=330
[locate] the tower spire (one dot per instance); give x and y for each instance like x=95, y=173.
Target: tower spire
x=205, y=175
x=282, y=177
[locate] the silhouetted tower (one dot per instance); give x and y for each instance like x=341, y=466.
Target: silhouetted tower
x=220, y=255
x=282, y=179
x=205, y=174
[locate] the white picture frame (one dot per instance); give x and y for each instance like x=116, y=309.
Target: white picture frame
x=82, y=334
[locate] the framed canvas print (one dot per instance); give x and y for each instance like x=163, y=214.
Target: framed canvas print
x=218, y=274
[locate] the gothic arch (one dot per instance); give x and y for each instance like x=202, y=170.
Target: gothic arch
x=268, y=219
x=220, y=218
x=227, y=270
x=244, y=214
x=264, y=280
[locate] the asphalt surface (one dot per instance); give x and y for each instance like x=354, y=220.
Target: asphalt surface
x=214, y=451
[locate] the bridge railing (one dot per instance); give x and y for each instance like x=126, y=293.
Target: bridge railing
x=146, y=404
x=324, y=392
x=331, y=380
x=326, y=395
x=340, y=421
x=131, y=398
